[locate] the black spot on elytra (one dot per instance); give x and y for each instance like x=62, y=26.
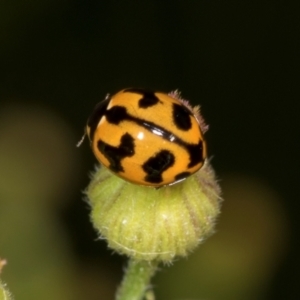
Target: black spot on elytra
x=195, y=153
x=157, y=164
x=182, y=175
x=148, y=101
x=115, y=154
x=116, y=114
x=148, y=97
x=181, y=117
x=95, y=117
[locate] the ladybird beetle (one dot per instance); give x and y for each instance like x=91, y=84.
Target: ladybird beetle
x=147, y=138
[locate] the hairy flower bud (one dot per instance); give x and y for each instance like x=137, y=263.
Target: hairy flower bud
x=154, y=224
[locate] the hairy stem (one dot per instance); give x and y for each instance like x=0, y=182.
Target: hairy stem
x=136, y=280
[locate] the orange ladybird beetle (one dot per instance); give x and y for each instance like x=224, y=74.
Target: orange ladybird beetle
x=146, y=137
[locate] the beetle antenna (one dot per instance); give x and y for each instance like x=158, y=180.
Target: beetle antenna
x=81, y=140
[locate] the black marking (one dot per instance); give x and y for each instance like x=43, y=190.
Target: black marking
x=116, y=114
x=115, y=154
x=148, y=100
x=94, y=119
x=182, y=117
x=182, y=176
x=148, y=97
x=156, y=165
x=195, y=153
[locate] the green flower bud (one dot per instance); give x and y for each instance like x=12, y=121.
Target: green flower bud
x=154, y=224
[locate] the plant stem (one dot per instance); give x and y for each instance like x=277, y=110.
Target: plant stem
x=136, y=280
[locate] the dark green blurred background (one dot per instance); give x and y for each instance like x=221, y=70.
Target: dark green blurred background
x=238, y=59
